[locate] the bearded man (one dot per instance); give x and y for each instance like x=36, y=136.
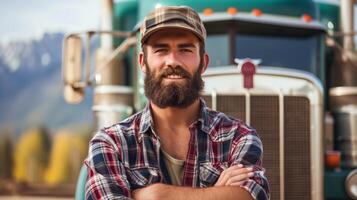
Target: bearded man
x=176, y=147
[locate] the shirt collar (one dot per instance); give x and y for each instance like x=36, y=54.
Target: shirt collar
x=205, y=120
x=204, y=117
x=146, y=119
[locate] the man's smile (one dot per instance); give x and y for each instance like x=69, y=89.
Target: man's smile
x=174, y=76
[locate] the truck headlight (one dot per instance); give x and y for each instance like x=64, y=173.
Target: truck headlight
x=351, y=184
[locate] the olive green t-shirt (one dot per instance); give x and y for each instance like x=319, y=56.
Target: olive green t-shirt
x=174, y=167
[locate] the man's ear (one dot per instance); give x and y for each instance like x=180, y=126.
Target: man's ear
x=141, y=62
x=205, y=62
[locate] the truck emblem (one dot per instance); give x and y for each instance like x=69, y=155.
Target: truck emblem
x=247, y=67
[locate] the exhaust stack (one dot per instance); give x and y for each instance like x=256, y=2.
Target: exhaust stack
x=347, y=23
x=106, y=40
x=112, y=99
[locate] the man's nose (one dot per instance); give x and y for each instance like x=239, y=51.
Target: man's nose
x=173, y=59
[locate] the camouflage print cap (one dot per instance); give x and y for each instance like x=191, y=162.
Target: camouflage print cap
x=172, y=17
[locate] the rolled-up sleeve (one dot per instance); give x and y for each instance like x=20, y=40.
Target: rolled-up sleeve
x=248, y=150
x=106, y=173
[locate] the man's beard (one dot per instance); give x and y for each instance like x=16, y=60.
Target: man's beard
x=172, y=94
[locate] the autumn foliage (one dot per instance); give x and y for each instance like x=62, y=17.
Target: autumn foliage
x=31, y=156
x=67, y=155
x=40, y=157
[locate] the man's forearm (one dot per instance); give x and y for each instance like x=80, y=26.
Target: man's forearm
x=163, y=191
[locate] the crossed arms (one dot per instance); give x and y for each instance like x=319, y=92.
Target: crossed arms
x=108, y=177
x=225, y=188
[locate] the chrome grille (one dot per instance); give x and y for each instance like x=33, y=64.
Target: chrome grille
x=265, y=119
x=231, y=105
x=297, y=148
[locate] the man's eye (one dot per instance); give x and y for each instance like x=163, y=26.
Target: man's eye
x=160, y=50
x=186, y=50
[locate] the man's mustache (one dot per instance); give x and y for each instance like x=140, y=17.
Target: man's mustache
x=175, y=71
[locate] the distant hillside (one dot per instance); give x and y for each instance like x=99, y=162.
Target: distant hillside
x=31, y=86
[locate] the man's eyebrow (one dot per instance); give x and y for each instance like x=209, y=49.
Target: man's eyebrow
x=183, y=45
x=160, y=45
x=186, y=45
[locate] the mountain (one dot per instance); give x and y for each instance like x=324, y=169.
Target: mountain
x=31, y=86
x=33, y=54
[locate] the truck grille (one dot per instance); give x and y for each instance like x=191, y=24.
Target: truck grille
x=264, y=117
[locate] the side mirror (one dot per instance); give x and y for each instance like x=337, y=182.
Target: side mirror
x=72, y=59
x=72, y=62
x=72, y=69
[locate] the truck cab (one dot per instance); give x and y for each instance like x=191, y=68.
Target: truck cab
x=285, y=105
x=289, y=43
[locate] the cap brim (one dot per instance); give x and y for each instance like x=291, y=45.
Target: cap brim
x=166, y=26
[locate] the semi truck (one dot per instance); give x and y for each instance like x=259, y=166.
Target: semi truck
x=299, y=92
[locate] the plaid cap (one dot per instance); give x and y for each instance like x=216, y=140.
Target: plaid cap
x=172, y=17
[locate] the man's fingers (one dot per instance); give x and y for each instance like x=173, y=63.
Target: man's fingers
x=226, y=174
x=240, y=171
x=236, y=171
x=238, y=178
x=222, y=179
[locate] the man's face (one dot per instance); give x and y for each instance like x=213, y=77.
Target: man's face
x=173, y=67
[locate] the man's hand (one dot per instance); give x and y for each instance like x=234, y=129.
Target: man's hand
x=234, y=175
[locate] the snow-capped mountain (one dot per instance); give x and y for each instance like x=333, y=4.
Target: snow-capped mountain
x=33, y=54
x=31, y=86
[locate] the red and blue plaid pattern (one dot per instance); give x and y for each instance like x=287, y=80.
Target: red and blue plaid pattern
x=127, y=156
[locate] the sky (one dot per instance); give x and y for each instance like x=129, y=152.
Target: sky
x=28, y=19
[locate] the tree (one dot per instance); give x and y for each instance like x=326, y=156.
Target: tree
x=6, y=152
x=31, y=155
x=67, y=155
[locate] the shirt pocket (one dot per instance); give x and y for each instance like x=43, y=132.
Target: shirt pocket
x=209, y=173
x=139, y=177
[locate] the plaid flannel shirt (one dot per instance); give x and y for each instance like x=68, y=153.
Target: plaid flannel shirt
x=127, y=156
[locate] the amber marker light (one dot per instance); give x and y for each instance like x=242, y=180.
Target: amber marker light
x=208, y=11
x=232, y=10
x=332, y=159
x=306, y=18
x=257, y=12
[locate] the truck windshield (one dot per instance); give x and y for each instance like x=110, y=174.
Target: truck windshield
x=281, y=51
x=217, y=47
x=278, y=51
